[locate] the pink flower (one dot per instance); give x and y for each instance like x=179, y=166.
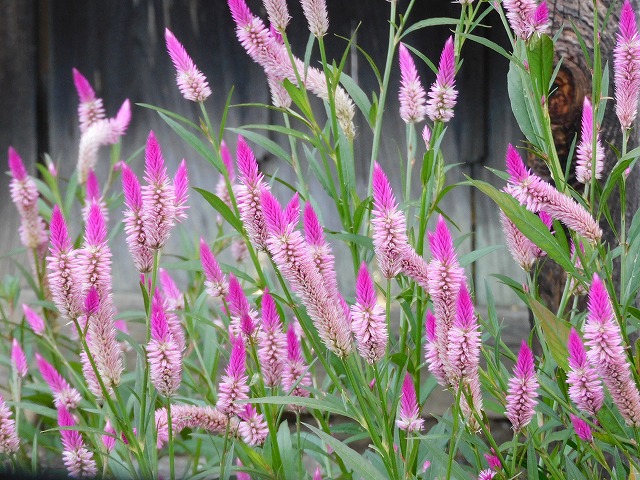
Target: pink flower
x=464, y=356
x=164, y=353
x=523, y=250
x=133, y=222
x=412, y=94
x=582, y=428
x=585, y=387
x=34, y=320
x=445, y=279
x=215, y=283
x=315, y=11
x=409, y=420
x=9, y=441
x=527, y=18
x=191, y=82
x=626, y=67
x=248, y=195
x=192, y=416
x=486, y=474
x=63, y=394
x=94, y=259
x=19, y=359
x=181, y=191
x=173, y=296
x=434, y=364
x=233, y=386
x=426, y=137
x=77, y=458
x=584, y=154
x=521, y=399
x=278, y=14
x=158, y=197
x=272, y=343
x=295, y=375
x=109, y=439
x=369, y=324
x=493, y=460
x=293, y=258
x=90, y=109
x=279, y=96
x=317, y=474
x=243, y=317
x=538, y=195
x=92, y=195
x=540, y=19
x=606, y=353
x=253, y=429
x=443, y=94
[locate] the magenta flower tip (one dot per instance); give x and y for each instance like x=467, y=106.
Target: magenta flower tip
x=34, y=320
x=313, y=231
x=273, y=215
x=409, y=418
x=121, y=121
x=599, y=303
x=524, y=365
x=582, y=428
x=430, y=326
x=318, y=474
x=96, y=228
x=628, y=25
x=521, y=399
x=92, y=186
x=515, y=165
x=19, y=359
x=131, y=188
x=18, y=170
x=91, y=301
x=365, y=288
x=247, y=163
x=227, y=160
x=382, y=193
x=159, y=323
x=294, y=352
x=441, y=243
x=577, y=353
x=192, y=83
x=292, y=210
x=58, y=231
x=154, y=161
x=83, y=87
x=412, y=95
x=238, y=358
x=447, y=67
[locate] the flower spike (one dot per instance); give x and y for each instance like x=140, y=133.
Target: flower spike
x=412, y=95
x=192, y=83
x=521, y=399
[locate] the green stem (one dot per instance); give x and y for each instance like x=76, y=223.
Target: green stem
x=172, y=473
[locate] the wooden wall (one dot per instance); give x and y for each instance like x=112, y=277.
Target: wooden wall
x=119, y=46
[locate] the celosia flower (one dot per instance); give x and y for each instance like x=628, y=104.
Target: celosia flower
x=239, y=474
x=409, y=416
x=523, y=250
x=317, y=474
x=295, y=375
x=9, y=441
x=273, y=57
x=158, y=197
x=90, y=109
x=493, y=460
x=65, y=278
x=279, y=96
x=315, y=11
x=291, y=255
x=191, y=81
x=133, y=222
x=606, y=353
x=412, y=95
x=94, y=259
x=272, y=342
x=163, y=352
x=626, y=67
x=464, y=356
x=434, y=364
x=243, y=317
x=172, y=294
x=215, y=283
x=538, y=195
x=233, y=386
x=540, y=19
x=443, y=93
x=92, y=195
x=582, y=428
x=369, y=324
x=445, y=278
x=486, y=474
x=24, y=194
x=426, y=137
x=64, y=395
x=584, y=153
x=527, y=18
x=77, y=458
x=521, y=399
x=19, y=359
x=109, y=439
x=278, y=13
x=192, y=416
x=585, y=387
x=181, y=191
x=34, y=320
x=253, y=429
x=248, y=195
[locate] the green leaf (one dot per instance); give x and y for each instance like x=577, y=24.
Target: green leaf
x=469, y=258
x=169, y=113
x=352, y=459
x=429, y=22
x=361, y=240
x=540, y=56
x=555, y=331
x=298, y=97
x=326, y=404
x=515, y=87
x=221, y=208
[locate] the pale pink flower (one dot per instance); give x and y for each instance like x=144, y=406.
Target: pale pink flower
x=525, y=17
x=626, y=67
x=215, y=283
x=584, y=153
x=19, y=359
x=295, y=375
x=278, y=13
x=192, y=416
x=582, y=428
x=63, y=394
x=315, y=11
x=272, y=343
x=293, y=258
x=9, y=441
x=243, y=317
x=585, y=387
x=486, y=474
x=65, y=277
x=412, y=95
x=77, y=458
x=109, y=439
x=181, y=191
x=133, y=223
x=279, y=96
x=523, y=250
x=538, y=195
x=521, y=399
x=173, y=296
x=158, y=197
x=163, y=352
x=34, y=320
x=92, y=195
x=94, y=259
x=317, y=474
x=191, y=81
x=248, y=195
x=426, y=137
x=233, y=386
x=434, y=364
x=90, y=109
x=239, y=474
x=253, y=429
x=369, y=324
x=409, y=416
x=606, y=353
x=443, y=93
